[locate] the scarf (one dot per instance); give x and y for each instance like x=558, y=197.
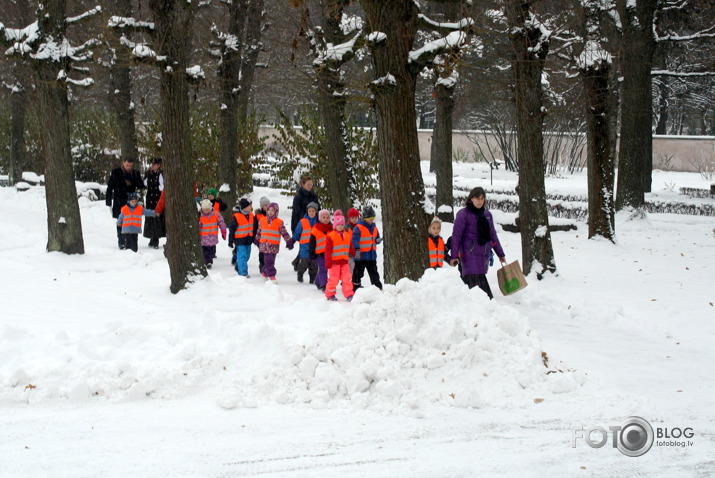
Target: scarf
x=484, y=234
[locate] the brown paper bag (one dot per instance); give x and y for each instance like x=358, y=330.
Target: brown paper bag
x=511, y=279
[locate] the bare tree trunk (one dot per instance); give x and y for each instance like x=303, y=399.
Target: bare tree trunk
x=442, y=140
x=635, y=161
x=332, y=101
x=18, y=107
x=530, y=49
x=64, y=224
x=228, y=77
x=401, y=185
x=172, y=33
x=18, y=104
x=254, y=27
x=601, y=207
x=121, y=89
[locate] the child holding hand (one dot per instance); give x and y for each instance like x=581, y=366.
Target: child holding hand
x=337, y=251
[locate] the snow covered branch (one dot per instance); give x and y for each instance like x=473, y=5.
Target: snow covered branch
x=94, y=11
x=334, y=55
x=444, y=27
x=707, y=33
x=129, y=23
x=424, y=56
x=682, y=74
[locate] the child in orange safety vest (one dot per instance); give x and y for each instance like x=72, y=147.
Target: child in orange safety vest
x=365, y=239
x=338, y=245
x=435, y=245
x=301, y=234
x=241, y=233
x=316, y=247
x=209, y=224
x=268, y=238
x=130, y=221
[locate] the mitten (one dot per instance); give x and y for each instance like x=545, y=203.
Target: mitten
x=378, y=240
x=357, y=255
x=223, y=235
x=290, y=243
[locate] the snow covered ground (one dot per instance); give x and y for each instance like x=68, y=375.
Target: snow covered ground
x=103, y=372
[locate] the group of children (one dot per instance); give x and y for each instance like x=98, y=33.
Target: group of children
x=332, y=250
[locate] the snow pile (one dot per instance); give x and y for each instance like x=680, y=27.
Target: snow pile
x=413, y=344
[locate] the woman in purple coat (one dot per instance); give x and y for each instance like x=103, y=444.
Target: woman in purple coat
x=473, y=239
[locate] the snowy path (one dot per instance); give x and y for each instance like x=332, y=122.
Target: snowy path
x=99, y=333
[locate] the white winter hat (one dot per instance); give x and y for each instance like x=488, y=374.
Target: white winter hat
x=206, y=204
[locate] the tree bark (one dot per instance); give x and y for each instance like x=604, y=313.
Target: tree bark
x=18, y=107
x=402, y=189
x=443, y=150
x=172, y=34
x=121, y=93
x=332, y=102
x=635, y=161
x=530, y=50
x=254, y=27
x=600, y=163
x=228, y=77
x=64, y=224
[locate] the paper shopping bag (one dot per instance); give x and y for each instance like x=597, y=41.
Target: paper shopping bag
x=511, y=278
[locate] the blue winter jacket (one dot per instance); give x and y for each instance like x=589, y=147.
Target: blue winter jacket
x=134, y=229
x=303, y=252
x=369, y=255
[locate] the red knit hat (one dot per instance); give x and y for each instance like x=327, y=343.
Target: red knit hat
x=353, y=212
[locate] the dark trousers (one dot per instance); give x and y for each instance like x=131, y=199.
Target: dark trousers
x=269, y=265
x=120, y=238
x=478, y=280
x=359, y=271
x=305, y=264
x=209, y=254
x=131, y=241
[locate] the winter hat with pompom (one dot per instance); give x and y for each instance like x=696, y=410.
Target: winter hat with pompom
x=338, y=218
x=353, y=212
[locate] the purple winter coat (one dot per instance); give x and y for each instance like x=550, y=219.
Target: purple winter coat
x=212, y=239
x=473, y=257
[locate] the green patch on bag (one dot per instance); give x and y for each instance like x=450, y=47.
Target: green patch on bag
x=511, y=285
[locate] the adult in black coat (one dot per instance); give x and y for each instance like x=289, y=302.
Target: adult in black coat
x=303, y=197
x=154, y=227
x=122, y=181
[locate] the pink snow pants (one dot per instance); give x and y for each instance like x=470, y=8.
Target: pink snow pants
x=339, y=273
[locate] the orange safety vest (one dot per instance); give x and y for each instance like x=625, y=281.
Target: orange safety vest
x=341, y=245
x=217, y=207
x=245, y=225
x=367, y=240
x=305, y=233
x=436, y=252
x=271, y=232
x=132, y=218
x=319, y=240
x=209, y=224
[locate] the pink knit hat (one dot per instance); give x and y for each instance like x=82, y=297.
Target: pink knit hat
x=338, y=218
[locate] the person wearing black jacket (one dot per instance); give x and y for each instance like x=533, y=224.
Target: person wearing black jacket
x=304, y=196
x=241, y=234
x=154, y=227
x=122, y=181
